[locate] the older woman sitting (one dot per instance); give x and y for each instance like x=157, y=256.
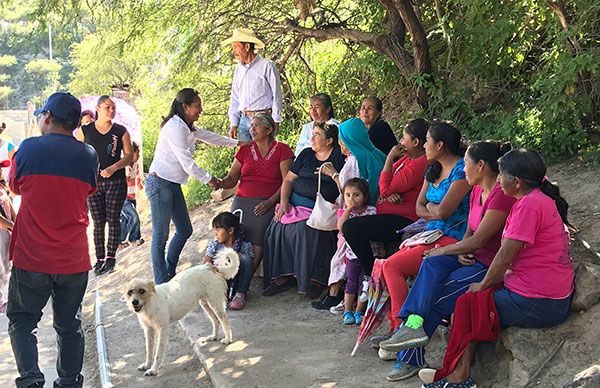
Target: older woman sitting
x=321, y=111
x=533, y=270
x=260, y=168
x=380, y=131
x=291, y=248
x=364, y=161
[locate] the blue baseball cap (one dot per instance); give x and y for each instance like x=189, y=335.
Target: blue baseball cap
x=62, y=105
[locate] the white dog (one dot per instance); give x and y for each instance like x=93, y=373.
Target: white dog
x=157, y=306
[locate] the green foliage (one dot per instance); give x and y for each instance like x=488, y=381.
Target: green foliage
x=504, y=70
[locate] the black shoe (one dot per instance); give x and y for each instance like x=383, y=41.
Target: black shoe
x=98, y=267
x=275, y=289
x=326, y=302
x=109, y=266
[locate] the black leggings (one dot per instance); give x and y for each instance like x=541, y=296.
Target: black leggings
x=360, y=231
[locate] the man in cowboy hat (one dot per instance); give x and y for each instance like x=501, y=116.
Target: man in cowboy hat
x=256, y=86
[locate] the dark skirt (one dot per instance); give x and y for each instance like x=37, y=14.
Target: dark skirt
x=298, y=250
x=254, y=226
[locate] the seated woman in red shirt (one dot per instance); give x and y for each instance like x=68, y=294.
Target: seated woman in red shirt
x=260, y=168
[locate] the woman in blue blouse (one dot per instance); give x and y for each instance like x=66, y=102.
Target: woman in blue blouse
x=443, y=202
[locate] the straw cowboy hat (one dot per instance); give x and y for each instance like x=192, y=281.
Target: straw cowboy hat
x=244, y=35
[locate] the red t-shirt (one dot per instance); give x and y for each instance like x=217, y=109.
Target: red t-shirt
x=406, y=179
x=261, y=176
x=495, y=201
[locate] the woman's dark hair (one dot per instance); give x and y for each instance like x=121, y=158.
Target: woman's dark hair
x=326, y=101
x=102, y=98
x=331, y=131
x=185, y=96
x=529, y=166
x=489, y=151
x=135, y=147
x=361, y=185
x=417, y=129
x=89, y=113
x=450, y=135
x=378, y=103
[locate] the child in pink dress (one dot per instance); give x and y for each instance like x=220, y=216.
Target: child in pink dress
x=7, y=217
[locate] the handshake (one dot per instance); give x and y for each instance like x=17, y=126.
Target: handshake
x=215, y=183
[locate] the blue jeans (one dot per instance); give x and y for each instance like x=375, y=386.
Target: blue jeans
x=241, y=282
x=130, y=222
x=517, y=310
x=28, y=293
x=441, y=280
x=243, y=131
x=166, y=203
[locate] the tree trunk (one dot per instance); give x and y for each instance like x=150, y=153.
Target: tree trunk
x=400, y=16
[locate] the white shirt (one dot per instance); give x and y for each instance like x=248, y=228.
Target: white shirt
x=306, y=134
x=255, y=86
x=174, y=153
x=349, y=171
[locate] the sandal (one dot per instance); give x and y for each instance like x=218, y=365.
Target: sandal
x=348, y=318
x=358, y=317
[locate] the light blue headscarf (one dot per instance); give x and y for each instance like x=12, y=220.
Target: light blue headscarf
x=355, y=137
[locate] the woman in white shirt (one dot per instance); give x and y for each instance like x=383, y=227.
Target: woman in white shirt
x=321, y=111
x=173, y=163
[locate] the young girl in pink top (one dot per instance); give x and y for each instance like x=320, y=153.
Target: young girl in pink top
x=356, y=204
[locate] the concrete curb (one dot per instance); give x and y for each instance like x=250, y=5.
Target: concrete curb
x=218, y=365
x=103, y=362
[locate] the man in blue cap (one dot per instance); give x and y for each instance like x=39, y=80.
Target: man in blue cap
x=54, y=174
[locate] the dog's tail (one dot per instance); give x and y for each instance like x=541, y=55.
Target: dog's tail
x=227, y=263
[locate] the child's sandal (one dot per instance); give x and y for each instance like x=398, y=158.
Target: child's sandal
x=348, y=318
x=358, y=317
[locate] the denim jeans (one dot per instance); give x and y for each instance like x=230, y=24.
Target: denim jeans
x=243, y=132
x=520, y=311
x=241, y=282
x=166, y=203
x=441, y=280
x=130, y=222
x=27, y=295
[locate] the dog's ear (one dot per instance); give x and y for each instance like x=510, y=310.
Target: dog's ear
x=151, y=286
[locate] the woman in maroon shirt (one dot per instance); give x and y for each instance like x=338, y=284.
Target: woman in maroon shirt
x=260, y=168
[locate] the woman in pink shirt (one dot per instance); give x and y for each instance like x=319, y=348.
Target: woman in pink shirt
x=533, y=261
x=448, y=271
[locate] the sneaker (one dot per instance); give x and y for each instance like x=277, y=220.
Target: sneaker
x=364, y=295
x=378, y=338
x=337, y=309
x=348, y=318
x=326, y=302
x=98, y=266
x=387, y=355
x=402, y=371
x=123, y=245
x=238, y=302
x=405, y=338
x=108, y=267
x=427, y=375
x=358, y=317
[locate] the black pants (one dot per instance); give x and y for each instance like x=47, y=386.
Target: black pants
x=360, y=231
x=28, y=293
